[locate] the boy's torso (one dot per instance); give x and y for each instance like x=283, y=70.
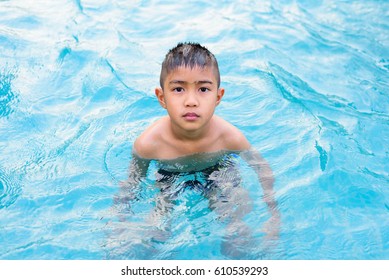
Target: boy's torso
x=158, y=141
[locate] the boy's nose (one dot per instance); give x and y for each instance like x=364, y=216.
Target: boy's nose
x=191, y=100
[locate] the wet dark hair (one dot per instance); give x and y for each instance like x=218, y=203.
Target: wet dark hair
x=188, y=55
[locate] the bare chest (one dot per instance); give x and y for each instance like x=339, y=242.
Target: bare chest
x=177, y=148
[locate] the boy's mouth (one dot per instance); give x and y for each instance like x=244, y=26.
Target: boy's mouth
x=191, y=116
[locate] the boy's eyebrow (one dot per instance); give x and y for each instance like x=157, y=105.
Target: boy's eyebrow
x=195, y=82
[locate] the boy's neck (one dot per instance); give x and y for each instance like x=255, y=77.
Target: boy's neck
x=191, y=136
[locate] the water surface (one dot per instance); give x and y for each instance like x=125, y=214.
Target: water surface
x=306, y=81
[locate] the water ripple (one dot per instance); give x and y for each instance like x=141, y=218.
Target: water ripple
x=7, y=95
x=306, y=81
x=9, y=190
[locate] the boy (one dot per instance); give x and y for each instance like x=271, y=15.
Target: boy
x=194, y=140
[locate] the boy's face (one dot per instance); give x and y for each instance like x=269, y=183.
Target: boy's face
x=190, y=97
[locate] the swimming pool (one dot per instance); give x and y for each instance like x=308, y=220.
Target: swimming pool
x=306, y=82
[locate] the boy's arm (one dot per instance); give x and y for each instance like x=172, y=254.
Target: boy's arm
x=143, y=150
x=130, y=187
x=238, y=142
x=266, y=178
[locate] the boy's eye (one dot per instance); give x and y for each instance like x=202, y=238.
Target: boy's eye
x=178, y=89
x=204, y=89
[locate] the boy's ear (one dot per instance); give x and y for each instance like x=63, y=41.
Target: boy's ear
x=160, y=96
x=220, y=93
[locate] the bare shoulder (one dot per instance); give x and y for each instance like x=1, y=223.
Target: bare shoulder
x=147, y=144
x=233, y=138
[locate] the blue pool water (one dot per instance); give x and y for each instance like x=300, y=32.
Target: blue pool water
x=306, y=81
